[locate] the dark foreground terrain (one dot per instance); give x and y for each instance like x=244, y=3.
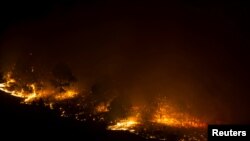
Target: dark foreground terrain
x=35, y=121
x=31, y=122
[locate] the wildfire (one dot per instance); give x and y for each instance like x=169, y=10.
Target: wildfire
x=8, y=88
x=31, y=95
x=181, y=120
x=70, y=93
x=31, y=92
x=125, y=124
x=152, y=116
x=129, y=123
x=168, y=115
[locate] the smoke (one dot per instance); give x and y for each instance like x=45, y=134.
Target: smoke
x=131, y=61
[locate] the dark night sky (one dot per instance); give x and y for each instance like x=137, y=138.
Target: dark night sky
x=195, y=53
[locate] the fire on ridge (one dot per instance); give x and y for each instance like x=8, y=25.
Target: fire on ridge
x=162, y=113
x=31, y=92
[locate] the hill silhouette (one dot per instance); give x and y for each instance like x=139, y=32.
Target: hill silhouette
x=28, y=122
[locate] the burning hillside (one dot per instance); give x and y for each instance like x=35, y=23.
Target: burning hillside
x=63, y=93
x=148, y=69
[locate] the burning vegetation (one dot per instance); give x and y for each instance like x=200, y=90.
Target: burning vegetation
x=169, y=115
x=34, y=91
x=127, y=124
x=63, y=93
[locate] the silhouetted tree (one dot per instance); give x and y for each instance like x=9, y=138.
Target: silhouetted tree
x=62, y=76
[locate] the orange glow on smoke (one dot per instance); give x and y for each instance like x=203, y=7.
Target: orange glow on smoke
x=102, y=107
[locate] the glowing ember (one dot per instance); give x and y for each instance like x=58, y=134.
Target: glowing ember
x=125, y=124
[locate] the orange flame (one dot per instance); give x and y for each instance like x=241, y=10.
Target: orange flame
x=125, y=124
x=31, y=93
